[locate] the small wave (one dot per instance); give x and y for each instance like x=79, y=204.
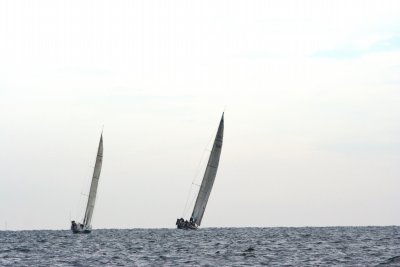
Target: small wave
x=24, y=250
x=249, y=253
x=394, y=261
x=250, y=249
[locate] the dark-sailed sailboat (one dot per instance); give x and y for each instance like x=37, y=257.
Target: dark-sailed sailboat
x=206, y=184
x=86, y=227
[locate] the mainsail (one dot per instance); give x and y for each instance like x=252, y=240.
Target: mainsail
x=209, y=176
x=93, y=187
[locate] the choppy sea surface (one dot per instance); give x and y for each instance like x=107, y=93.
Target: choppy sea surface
x=305, y=246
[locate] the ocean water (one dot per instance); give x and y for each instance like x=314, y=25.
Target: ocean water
x=306, y=246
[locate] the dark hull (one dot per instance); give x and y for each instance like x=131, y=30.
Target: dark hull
x=78, y=228
x=81, y=231
x=186, y=226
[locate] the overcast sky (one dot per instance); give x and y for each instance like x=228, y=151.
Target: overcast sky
x=310, y=89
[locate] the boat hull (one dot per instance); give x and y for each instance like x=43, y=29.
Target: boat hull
x=186, y=225
x=78, y=228
x=86, y=231
x=186, y=228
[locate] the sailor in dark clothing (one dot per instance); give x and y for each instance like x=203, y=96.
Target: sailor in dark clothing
x=73, y=225
x=191, y=220
x=180, y=222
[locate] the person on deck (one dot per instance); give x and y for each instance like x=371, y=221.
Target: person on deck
x=73, y=225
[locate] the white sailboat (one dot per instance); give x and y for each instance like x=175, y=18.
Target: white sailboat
x=85, y=226
x=206, y=184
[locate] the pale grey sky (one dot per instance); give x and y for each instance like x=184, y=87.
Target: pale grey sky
x=311, y=90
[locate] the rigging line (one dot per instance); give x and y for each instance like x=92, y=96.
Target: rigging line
x=198, y=169
x=201, y=162
x=187, y=200
x=193, y=199
x=191, y=190
x=78, y=205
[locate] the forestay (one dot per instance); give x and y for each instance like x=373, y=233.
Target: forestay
x=209, y=176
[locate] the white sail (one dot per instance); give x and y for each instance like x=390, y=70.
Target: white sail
x=93, y=187
x=209, y=176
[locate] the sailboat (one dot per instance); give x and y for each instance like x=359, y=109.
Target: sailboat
x=206, y=184
x=86, y=227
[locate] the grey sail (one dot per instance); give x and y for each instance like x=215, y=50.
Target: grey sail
x=93, y=187
x=209, y=176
